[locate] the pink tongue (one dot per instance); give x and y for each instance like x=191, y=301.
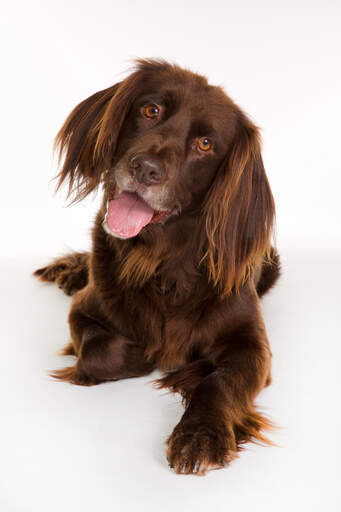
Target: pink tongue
x=128, y=214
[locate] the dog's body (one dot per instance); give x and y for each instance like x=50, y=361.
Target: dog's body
x=186, y=189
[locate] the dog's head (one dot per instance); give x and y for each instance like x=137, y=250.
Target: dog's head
x=168, y=144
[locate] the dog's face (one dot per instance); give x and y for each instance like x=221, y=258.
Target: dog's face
x=172, y=141
x=166, y=144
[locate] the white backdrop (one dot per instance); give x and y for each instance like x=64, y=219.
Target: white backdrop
x=76, y=448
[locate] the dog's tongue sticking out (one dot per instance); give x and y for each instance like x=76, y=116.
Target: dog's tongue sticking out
x=128, y=214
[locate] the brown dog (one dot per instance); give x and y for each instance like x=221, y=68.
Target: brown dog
x=181, y=254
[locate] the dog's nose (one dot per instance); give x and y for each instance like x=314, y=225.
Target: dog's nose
x=147, y=169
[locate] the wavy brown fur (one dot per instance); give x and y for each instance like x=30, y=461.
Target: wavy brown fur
x=182, y=295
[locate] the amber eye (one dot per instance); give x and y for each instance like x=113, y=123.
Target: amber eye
x=151, y=111
x=205, y=144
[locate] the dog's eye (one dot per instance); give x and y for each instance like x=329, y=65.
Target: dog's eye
x=151, y=111
x=205, y=144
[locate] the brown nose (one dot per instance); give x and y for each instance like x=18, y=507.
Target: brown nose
x=147, y=169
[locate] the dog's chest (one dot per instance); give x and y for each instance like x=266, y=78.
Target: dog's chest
x=182, y=334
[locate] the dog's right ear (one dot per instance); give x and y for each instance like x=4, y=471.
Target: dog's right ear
x=89, y=136
x=76, y=141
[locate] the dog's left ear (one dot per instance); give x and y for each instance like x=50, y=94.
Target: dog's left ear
x=88, y=138
x=239, y=212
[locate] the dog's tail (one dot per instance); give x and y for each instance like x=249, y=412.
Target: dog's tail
x=70, y=272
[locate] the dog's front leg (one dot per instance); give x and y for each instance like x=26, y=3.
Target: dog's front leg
x=219, y=414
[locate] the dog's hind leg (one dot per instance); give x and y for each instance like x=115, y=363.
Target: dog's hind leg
x=269, y=273
x=103, y=354
x=69, y=272
x=68, y=350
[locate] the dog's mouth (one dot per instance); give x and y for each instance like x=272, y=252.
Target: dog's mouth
x=127, y=214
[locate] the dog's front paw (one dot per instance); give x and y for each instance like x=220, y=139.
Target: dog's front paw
x=198, y=448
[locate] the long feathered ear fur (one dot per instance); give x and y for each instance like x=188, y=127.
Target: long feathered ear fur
x=89, y=135
x=238, y=213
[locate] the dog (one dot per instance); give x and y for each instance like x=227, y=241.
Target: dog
x=181, y=254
